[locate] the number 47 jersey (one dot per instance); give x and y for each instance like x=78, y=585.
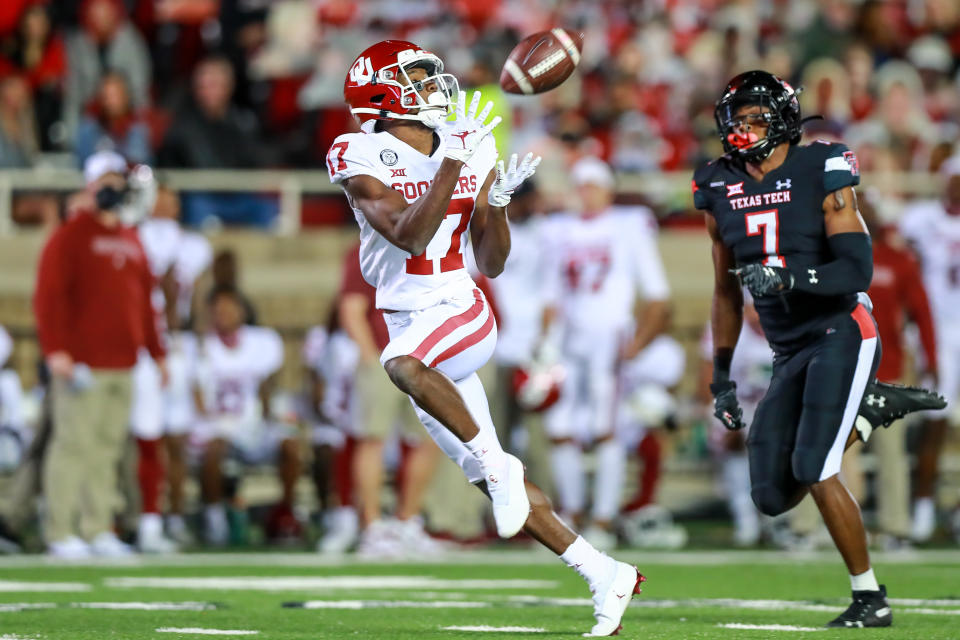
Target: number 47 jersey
x=406, y=282
x=779, y=221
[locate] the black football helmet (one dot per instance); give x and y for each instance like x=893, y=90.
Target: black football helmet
x=782, y=114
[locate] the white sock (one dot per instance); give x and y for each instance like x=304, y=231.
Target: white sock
x=487, y=450
x=592, y=565
x=567, y=461
x=866, y=581
x=608, y=480
x=485, y=446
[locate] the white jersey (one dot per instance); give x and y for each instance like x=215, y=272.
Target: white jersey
x=194, y=256
x=935, y=235
x=405, y=282
x=334, y=358
x=752, y=365
x=595, y=265
x=230, y=378
x=518, y=294
x=160, y=238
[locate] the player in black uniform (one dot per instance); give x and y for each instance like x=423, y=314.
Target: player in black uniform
x=783, y=217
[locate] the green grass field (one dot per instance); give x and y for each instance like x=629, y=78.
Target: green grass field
x=688, y=595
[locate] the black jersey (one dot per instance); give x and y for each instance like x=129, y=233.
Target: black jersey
x=779, y=221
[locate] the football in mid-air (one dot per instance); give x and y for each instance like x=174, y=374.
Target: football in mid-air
x=541, y=61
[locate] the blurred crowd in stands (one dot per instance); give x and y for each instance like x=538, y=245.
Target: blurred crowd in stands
x=258, y=83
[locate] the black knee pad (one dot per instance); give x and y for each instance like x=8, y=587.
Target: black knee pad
x=769, y=499
x=807, y=465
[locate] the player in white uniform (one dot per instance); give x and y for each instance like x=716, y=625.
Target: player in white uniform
x=751, y=369
x=331, y=359
x=417, y=183
x=14, y=435
x=235, y=364
x=598, y=257
x=933, y=228
x=160, y=236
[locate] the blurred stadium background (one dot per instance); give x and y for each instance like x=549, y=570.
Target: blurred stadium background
x=235, y=103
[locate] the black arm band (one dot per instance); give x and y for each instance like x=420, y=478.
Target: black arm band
x=722, y=358
x=850, y=272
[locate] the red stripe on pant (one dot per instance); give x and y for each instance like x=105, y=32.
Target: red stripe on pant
x=868, y=329
x=466, y=343
x=449, y=327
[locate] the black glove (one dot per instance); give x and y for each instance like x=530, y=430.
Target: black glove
x=725, y=406
x=764, y=281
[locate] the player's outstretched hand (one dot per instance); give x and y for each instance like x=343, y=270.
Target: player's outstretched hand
x=464, y=135
x=725, y=406
x=508, y=180
x=764, y=281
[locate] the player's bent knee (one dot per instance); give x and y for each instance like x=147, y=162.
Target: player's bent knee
x=769, y=500
x=403, y=371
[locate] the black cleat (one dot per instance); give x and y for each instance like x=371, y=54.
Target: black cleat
x=869, y=609
x=883, y=403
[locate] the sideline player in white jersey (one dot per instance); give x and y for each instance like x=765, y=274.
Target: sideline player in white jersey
x=234, y=371
x=331, y=359
x=417, y=183
x=751, y=369
x=599, y=256
x=933, y=229
x=160, y=235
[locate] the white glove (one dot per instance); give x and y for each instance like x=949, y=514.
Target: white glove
x=507, y=181
x=464, y=135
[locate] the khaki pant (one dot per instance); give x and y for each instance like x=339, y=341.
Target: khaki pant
x=80, y=473
x=892, y=479
x=382, y=407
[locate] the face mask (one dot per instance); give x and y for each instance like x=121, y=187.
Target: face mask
x=109, y=197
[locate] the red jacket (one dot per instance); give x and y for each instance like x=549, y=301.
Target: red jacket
x=93, y=295
x=897, y=291
x=352, y=282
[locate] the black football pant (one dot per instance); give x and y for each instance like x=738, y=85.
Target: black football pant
x=801, y=426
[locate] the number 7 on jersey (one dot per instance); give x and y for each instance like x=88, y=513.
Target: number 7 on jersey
x=767, y=223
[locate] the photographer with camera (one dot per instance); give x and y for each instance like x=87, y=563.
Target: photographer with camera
x=93, y=312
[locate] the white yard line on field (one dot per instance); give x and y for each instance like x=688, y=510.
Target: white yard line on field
x=14, y=607
x=484, y=627
x=312, y=583
x=146, y=606
x=8, y=586
x=200, y=631
x=529, y=556
x=766, y=627
x=724, y=603
x=13, y=636
x=386, y=604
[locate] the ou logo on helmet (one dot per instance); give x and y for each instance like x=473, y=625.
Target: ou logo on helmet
x=362, y=71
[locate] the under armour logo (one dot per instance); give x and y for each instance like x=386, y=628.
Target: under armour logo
x=493, y=479
x=463, y=137
x=620, y=596
x=783, y=184
x=735, y=189
x=813, y=276
x=875, y=400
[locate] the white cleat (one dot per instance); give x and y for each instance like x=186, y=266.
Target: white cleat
x=108, y=545
x=612, y=597
x=511, y=507
x=70, y=548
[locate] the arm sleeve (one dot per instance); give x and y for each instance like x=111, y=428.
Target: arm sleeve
x=850, y=272
x=647, y=263
x=51, y=301
x=701, y=194
x=348, y=156
x=840, y=168
x=918, y=307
